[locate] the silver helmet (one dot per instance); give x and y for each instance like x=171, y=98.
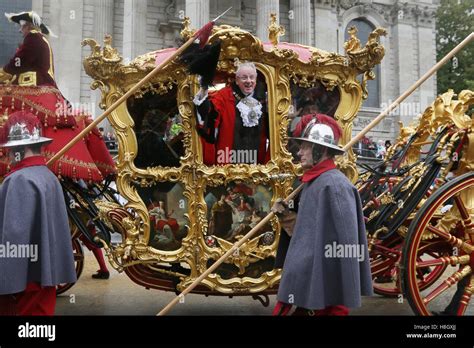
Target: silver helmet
x=20, y=135
x=321, y=134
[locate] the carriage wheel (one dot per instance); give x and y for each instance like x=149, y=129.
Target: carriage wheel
x=385, y=258
x=79, y=264
x=444, y=225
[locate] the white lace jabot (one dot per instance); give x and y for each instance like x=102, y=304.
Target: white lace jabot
x=250, y=111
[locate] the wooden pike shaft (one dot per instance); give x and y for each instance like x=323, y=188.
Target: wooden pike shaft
x=354, y=140
x=409, y=91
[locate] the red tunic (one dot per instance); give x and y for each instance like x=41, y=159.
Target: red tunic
x=33, y=62
x=37, y=92
x=224, y=104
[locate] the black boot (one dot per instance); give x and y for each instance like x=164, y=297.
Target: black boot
x=101, y=275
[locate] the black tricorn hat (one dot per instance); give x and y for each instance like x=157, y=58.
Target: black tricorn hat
x=31, y=17
x=203, y=61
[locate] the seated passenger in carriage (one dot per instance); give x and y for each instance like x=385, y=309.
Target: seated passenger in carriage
x=233, y=122
x=36, y=253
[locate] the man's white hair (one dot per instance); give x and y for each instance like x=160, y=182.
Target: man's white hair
x=249, y=65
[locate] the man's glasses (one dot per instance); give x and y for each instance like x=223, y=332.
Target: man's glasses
x=245, y=78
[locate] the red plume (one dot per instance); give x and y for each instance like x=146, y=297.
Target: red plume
x=27, y=118
x=301, y=126
x=331, y=122
x=204, y=33
x=321, y=118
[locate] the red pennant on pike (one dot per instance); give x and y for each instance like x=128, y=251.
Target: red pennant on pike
x=203, y=34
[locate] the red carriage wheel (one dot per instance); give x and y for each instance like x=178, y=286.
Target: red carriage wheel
x=78, y=253
x=385, y=257
x=444, y=225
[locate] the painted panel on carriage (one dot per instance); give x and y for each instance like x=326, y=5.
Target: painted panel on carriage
x=232, y=211
x=166, y=207
x=158, y=129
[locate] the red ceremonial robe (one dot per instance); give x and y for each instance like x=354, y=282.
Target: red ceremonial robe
x=33, y=62
x=224, y=104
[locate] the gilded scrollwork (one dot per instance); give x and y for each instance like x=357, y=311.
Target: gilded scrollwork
x=275, y=30
x=280, y=66
x=366, y=58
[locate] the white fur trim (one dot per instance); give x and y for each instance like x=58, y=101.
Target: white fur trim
x=198, y=101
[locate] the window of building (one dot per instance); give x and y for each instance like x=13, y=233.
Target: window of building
x=364, y=28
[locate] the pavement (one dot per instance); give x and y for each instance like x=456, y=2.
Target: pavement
x=121, y=296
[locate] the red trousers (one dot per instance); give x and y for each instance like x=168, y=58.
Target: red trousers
x=34, y=300
x=282, y=309
x=328, y=311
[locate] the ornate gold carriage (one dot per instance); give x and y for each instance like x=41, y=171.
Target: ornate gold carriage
x=181, y=214
x=419, y=208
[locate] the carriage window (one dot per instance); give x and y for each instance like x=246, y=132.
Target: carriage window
x=309, y=100
x=158, y=128
x=232, y=123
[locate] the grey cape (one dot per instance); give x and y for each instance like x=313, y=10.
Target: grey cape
x=315, y=273
x=33, y=215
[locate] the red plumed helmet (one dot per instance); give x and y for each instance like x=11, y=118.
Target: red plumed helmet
x=320, y=118
x=331, y=122
x=22, y=129
x=319, y=129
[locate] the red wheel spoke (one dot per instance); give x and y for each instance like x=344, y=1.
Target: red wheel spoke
x=420, y=274
x=450, y=239
x=445, y=285
x=462, y=208
x=387, y=251
x=466, y=297
x=444, y=261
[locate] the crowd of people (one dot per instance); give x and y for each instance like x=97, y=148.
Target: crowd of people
x=367, y=147
x=109, y=138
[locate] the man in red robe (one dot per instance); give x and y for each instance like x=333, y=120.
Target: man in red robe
x=233, y=121
x=32, y=63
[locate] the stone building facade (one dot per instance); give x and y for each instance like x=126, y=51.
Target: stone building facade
x=140, y=26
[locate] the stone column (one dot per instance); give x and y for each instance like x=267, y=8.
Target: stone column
x=66, y=20
x=198, y=12
x=103, y=18
x=300, y=23
x=37, y=6
x=427, y=58
x=264, y=9
x=134, y=24
x=405, y=64
x=103, y=24
x=326, y=29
